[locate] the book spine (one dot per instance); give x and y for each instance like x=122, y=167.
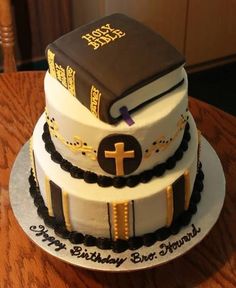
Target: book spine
x=90, y=92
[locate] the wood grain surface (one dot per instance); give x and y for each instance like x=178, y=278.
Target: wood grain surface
x=210, y=25
x=212, y=263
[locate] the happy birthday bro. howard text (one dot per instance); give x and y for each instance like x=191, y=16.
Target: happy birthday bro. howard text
x=96, y=257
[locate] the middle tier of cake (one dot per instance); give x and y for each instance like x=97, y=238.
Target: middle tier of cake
x=115, y=150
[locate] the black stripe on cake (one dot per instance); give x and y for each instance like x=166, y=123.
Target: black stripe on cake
x=57, y=206
x=178, y=196
x=109, y=219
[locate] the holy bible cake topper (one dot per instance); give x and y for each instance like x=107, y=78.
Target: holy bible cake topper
x=101, y=64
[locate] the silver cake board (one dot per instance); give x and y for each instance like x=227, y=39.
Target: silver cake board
x=106, y=260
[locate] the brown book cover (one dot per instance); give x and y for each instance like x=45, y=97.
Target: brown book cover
x=115, y=62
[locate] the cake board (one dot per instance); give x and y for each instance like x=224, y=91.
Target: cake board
x=209, y=208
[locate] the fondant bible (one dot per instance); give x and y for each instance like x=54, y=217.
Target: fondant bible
x=104, y=65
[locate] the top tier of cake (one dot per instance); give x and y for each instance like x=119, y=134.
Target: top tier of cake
x=114, y=65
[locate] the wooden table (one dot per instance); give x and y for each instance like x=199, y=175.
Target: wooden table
x=212, y=263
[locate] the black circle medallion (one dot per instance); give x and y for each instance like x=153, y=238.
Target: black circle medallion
x=119, y=154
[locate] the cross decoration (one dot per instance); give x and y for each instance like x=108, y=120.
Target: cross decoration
x=119, y=154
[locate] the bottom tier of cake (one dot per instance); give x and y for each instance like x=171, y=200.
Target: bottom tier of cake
x=110, y=217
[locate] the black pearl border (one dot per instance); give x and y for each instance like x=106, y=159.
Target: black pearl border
x=119, y=181
x=119, y=245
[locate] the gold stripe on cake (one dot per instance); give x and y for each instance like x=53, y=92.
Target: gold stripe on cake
x=187, y=189
x=115, y=221
x=32, y=160
x=48, y=197
x=120, y=213
x=170, y=205
x=126, y=220
x=198, y=148
x=65, y=205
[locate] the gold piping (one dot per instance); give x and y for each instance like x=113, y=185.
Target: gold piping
x=170, y=205
x=65, y=205
x=187, y=189
x=32, y=159
x=115, y=221
x=48, y=197
x=126, y=220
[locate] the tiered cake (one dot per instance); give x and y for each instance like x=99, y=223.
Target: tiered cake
x=115, y=156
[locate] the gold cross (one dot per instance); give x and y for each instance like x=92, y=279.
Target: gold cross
x=119, y=155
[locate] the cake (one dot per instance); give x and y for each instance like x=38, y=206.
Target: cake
x=115, y=182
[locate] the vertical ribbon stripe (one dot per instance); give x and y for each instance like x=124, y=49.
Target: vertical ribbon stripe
x=198, y=149
x=32, y=160
x=170, y=205
x=57, y=206
x=120, y=215
x=65, y=204
x=178, y=196
x=133, y=215
x=48, y=197
x=109, y=219
x=187, y=189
